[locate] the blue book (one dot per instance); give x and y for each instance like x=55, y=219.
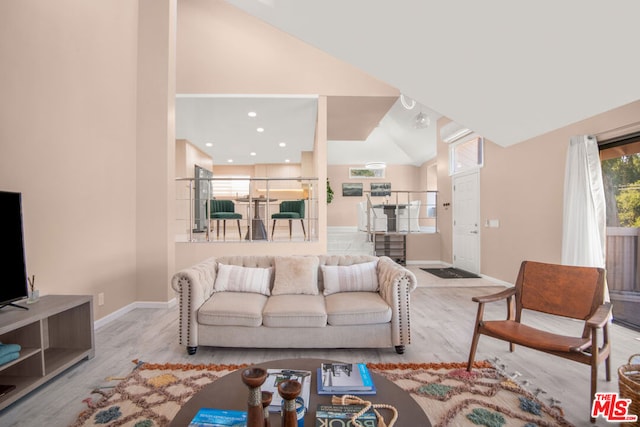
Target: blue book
x=321, y=390
x=212, y=417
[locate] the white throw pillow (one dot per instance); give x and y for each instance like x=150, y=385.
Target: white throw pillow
x=235, y=278
x=296, y=275
x=350, y=278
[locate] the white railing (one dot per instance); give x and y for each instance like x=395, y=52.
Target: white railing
x=398, y=212
x=263, y=198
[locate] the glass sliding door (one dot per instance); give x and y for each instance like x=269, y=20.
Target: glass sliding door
x=621, y=174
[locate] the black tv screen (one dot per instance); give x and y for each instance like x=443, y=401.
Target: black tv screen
x=13, y=281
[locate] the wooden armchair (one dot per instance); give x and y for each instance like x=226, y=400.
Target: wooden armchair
x=567, y=291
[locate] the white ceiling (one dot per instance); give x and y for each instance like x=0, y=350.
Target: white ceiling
x=223, y=122
x=396, y=140
x=509, y=70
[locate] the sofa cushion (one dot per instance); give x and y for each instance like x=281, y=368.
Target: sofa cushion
x=295, y=311
x=242, y=279
x=296, y=275
x=356, y=308
x=232, y=309
x=350, y=278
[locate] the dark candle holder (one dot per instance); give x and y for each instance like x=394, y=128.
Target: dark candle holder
x=266, y=401
x=289, y=390
x=253, y=378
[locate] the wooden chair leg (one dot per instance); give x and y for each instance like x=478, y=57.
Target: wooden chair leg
x=594, y=386
x=472, y=351
x=290, y=229
x=303, y=230
x=224, y=230
x=217, y=229
x=476, y=336
x=273, y=229
x=239, y=230
x=594, y=369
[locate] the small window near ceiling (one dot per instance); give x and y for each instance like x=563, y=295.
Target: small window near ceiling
x=466, y=155
x=230, y=186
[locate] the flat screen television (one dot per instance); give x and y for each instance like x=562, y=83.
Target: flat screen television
x=13, y=280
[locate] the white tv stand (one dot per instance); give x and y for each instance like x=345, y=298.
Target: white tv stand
x=55, y=333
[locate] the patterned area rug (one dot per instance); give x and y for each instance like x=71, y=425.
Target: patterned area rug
x=152, y=394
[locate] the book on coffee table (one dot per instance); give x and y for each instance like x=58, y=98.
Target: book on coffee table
x=213, y=417
x=345, y=378
x=321, y=391
x=340, y=416
x=276, y=376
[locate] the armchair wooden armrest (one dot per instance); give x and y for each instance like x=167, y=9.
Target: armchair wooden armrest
x=600, y=317
x=507, y=293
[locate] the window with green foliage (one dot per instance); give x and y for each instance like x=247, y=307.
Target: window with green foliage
x=621, y=176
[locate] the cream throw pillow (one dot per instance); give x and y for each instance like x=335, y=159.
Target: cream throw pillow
x=350, y=278
x=235, y=278
x=296, y=275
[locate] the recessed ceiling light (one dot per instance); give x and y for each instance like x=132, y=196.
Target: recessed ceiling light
x=260, y=129
x=230, y=161
x=282, y=144
x=209, y=144
x=253, y=153
x=252, y=114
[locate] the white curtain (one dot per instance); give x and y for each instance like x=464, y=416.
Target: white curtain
x=584, y=224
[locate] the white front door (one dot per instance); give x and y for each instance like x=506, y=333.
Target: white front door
x=466, y=221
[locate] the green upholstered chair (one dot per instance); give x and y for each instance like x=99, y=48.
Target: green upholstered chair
x=290, y=210
x=223, y=210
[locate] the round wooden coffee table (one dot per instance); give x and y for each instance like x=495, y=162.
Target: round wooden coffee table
x=229, y=392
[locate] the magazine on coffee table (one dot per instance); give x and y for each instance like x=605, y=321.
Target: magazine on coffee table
x=276, y=376
x=214, y=417
x=345, y=377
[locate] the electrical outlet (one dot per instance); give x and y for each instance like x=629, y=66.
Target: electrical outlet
x=101, y=298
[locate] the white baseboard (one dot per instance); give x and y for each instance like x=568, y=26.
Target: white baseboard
x=497, y=281
x=124, y=310
x=431, y=262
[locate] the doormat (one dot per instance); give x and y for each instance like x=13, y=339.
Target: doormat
x=451, y=273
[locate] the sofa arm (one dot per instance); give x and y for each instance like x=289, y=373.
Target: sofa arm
x=396, y=282
x=194, y=286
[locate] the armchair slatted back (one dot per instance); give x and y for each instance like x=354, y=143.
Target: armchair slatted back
x=561, y=290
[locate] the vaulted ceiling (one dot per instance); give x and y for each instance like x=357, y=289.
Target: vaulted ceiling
x=509, y=70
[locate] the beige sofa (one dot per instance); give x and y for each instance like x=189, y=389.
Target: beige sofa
x=344, y=301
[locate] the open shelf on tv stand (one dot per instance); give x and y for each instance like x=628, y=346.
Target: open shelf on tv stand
x=54, y=334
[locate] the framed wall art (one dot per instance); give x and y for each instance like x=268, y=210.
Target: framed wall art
x=366, y=173
x=352, y=189
x=380, y=189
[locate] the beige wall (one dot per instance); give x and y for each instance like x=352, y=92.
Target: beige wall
x=155, y=154
x=224, y=50
x=68, y=141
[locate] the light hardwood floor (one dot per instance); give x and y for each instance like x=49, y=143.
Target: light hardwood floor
x=442, y=321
